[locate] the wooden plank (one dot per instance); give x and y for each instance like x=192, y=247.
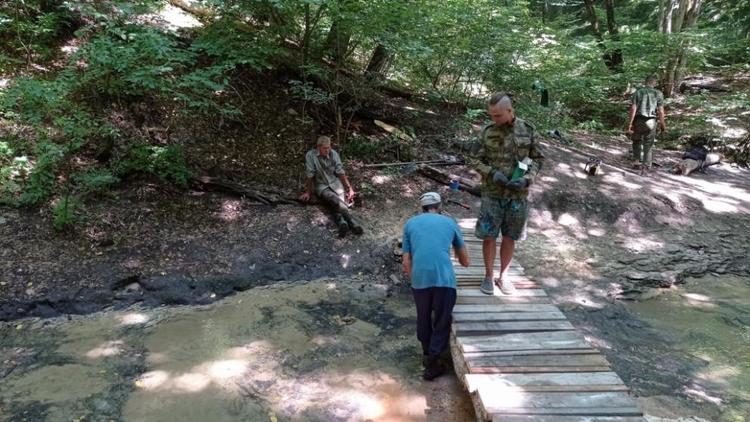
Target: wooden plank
x=475, y=284
x=549, y=382
x=478, y=293
x=532, y=361
x=500, y=327
x=505, y=308
x=544, y=403
x=523, y=341
x=507, y=316
x=583, y=351
x=542, y=418
x=501, y=300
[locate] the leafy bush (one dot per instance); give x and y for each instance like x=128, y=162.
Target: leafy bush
x=41, y=181
x=64, y=213
x=167, y=163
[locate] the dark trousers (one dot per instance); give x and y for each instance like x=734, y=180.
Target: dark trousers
x=434, y=309
x=335, y=203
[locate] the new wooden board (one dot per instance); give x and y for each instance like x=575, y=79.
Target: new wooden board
x=586, y=351
x=478, y=293
x=507, y=316
x=500, y=327
x=537, y=363
x=523, y=341
x=505, y=308
x=545, y=382
x=533, y=418
x=500, y=300
x=578, y=404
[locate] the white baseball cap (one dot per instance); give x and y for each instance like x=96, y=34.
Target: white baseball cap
x=429, y=198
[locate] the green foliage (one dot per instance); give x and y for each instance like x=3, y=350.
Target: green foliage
x=29, y=30
x=167, y=163
x=41, y=180
x=64, y=213
x=95, y=180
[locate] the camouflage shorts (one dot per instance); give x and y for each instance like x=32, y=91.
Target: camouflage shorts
x=506, y=216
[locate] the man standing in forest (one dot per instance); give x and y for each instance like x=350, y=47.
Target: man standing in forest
x=646, y=105
x=427, y=241
x=325, y=174
x=509, y=159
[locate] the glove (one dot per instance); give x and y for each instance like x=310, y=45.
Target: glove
x=517, y=184
x=499, y=178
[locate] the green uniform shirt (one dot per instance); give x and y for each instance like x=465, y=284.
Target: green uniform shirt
x=501, y=148
x=326, y=171
x=647, y=100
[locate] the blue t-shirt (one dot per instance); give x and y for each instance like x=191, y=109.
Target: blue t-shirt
x=428, y=237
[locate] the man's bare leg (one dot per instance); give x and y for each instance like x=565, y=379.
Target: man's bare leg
x=488, y=254
x=507, y=247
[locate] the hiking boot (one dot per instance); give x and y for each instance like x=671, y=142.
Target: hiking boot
x=507, y=288
x=356, y=228
x=354, y=225
x=488, y=287
x=433, y=368
x=343, y=228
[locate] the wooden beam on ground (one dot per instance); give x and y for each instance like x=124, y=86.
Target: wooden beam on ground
x=473, y=328
x=559, y=404
x=546, y=382
x=525, y=341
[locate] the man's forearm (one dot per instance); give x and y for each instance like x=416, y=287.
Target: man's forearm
x=345, y=182
x=662, y=117
x=407, y=264
x=631, y=116
x=308, y=185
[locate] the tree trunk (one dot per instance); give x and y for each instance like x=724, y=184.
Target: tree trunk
x=378, y=62
x=337, y=41
x=609, y=58
x=614, y=33
x=687, y=12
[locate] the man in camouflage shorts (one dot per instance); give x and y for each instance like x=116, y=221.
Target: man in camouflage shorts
x=509, y=159
x=646, y=105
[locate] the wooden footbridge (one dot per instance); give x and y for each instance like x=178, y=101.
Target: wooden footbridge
x=522, y=360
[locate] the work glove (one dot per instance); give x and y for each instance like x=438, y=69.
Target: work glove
x=499, y=178
x=518, y=184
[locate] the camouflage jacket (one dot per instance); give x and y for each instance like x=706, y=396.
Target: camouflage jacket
x=501, y=148
x=646, y=101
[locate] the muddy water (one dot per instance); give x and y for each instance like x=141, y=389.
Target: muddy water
x=318, y=351
x=709, y=318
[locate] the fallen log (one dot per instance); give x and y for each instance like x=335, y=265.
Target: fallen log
x=689, y=165
x=208, y=183
x=446, y=162
x=445, y=178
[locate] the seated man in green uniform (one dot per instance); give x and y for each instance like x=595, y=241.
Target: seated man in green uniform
x=509, y=159
x=325, y=174
x=646, y=105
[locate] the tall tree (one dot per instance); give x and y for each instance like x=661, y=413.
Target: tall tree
x=676, y=17
x=612, y=57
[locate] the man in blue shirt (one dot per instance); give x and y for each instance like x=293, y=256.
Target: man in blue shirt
x=427, y=241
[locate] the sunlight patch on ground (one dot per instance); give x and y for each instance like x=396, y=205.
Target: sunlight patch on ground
x=110, y=348
x=4, y=82
x=698, y=393
x=617, y=179
x=642, y=244
x=598, y=342
x=345, y=260
x=176, y=18
x=134, y=318
x=231, y=210
x=381, y=180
